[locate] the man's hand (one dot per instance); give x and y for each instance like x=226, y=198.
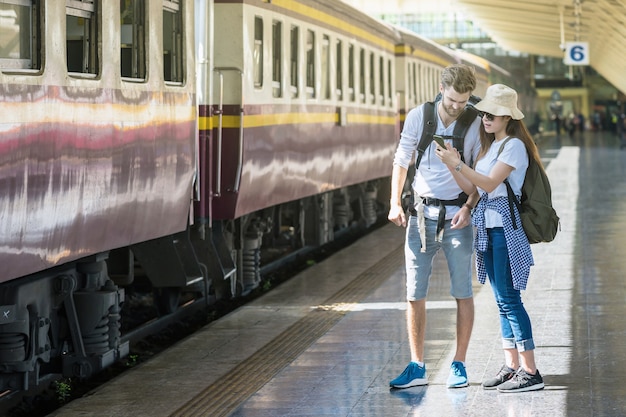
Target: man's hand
x=461, y=219
x=396, y=215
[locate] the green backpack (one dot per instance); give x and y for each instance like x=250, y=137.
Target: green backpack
x=539, y=219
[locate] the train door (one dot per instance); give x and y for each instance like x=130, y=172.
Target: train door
x=207, y=235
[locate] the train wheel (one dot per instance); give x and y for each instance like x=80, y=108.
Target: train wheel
x=166, y=300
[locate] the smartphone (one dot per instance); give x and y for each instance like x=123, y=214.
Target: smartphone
x=439, y=141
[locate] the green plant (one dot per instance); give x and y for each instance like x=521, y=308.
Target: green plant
x=132, y=360
x=63, y=389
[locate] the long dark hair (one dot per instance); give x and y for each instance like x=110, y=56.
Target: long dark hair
x=515, y=129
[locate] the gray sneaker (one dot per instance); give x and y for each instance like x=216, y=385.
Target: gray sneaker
x=504, y=374
x=522, y=381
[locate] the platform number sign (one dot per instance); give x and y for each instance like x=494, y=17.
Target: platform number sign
x=576, y=53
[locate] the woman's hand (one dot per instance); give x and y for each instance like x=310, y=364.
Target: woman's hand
x=452, y=158
x=449, y=156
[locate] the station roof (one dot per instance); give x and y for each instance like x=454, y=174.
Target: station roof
x=541, y=27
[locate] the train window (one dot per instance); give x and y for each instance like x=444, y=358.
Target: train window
x=389, y=83
x=372, y=80
x=133, y=35
x=258, y=52
x=429, y=81
x=339, y=70
x=424, y=83
x=277, y=73
x=81, y=27
x=414, y=77
x=351, y=85
x=409, y=81
x=293, y=66
x=20, y=29
x=310, y=64
x=172, y=41
x=433, y=80
x=410, y=85
x=381, y=79
x=424, y=75
x=362, y=75
x=326, y=67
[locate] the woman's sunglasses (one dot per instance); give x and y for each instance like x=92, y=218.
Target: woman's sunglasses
x=488, y=116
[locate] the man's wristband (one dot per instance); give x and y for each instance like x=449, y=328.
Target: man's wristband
x=468, y=206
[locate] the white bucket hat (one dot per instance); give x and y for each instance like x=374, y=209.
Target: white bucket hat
x=500, y=100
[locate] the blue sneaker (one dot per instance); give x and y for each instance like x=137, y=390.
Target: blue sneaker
x=412, y=376
x=458, y=375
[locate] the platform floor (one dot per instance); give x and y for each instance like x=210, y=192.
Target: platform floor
x=328, y=342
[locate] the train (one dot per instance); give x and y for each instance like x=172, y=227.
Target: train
x=183, y=139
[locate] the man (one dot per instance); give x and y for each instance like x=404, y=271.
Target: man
x=436, y=190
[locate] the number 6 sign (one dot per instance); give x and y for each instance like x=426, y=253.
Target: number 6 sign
x=576, y=53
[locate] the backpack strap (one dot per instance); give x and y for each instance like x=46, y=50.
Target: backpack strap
x=509, y=190
x=430, y=126
x=463, y=123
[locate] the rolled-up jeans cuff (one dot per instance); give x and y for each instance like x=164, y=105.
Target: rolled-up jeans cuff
x=521, y=346
x=524, y=345
x=508, y=344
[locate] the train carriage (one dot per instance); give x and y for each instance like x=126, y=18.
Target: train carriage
x=307, y=119
x=97, y=152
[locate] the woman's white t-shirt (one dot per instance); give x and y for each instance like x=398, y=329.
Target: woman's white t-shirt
x=514, y=155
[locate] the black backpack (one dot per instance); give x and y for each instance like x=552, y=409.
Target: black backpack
x=539, y=219
x=463, y=123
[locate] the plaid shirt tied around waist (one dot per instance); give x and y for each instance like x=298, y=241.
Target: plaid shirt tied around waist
x=520, y=254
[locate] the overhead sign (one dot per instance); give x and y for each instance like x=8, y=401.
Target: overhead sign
x=576, y=53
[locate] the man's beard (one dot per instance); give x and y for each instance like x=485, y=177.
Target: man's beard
x=450, y=111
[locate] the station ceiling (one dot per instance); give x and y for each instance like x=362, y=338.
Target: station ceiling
x=542, y=27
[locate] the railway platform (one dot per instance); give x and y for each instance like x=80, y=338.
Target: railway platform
x=327, y=342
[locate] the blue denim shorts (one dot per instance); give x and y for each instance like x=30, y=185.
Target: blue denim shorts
x=457, y=245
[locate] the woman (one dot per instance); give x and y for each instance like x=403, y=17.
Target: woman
x=502, y=252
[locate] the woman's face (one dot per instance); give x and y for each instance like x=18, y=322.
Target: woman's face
x=495, y=124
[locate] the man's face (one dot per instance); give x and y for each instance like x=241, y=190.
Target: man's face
x=453, y=102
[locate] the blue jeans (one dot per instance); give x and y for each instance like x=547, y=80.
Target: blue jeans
x=514, y=321
x=456, y=245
